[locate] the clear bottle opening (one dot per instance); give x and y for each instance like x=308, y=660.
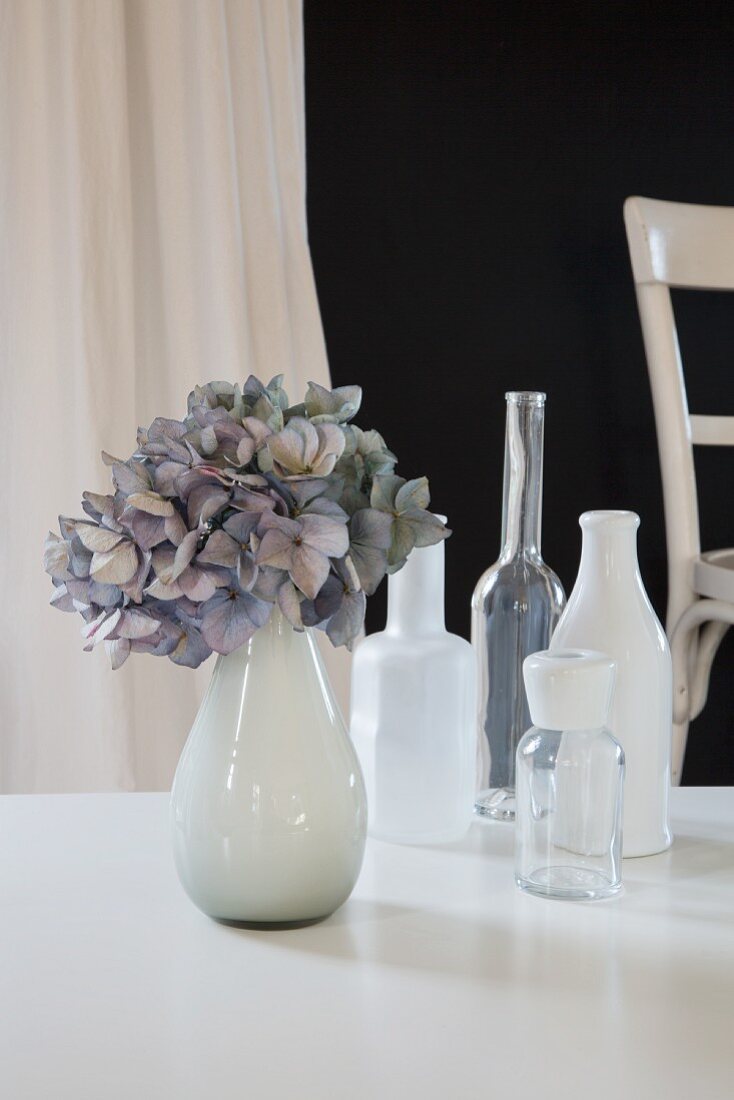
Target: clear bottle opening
x=525, y=397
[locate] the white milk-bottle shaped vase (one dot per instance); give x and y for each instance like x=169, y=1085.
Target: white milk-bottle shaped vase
x=413, y=712
x=609, y=610
x=516, y=604
x=268, y=807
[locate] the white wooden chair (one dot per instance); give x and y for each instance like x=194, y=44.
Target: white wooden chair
x=674, y=244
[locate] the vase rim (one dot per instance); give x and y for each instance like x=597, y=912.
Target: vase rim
x=610, y=519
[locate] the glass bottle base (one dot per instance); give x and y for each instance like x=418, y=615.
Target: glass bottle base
x=498, y=804
x=568, y=882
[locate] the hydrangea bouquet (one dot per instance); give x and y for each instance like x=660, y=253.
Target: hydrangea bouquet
x=246, y=504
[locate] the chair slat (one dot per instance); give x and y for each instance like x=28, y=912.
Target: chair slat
x=712, y=431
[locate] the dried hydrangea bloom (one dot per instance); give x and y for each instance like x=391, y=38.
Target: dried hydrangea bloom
x=246, y=505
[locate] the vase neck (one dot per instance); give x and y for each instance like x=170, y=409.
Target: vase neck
x=415, y=594
x=523, y=480
x=275, y=636
x=609, y=547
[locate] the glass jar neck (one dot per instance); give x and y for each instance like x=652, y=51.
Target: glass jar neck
x=523, y=480
x=415, y=594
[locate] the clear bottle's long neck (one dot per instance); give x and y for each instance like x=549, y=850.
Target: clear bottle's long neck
x=415, y=595
x=523, y=483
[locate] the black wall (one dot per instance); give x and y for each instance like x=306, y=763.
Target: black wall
x=467, y=165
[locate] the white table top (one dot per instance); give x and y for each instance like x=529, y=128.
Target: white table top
x=437, y=979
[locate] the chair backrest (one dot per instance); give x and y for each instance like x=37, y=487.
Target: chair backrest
x=676, y=244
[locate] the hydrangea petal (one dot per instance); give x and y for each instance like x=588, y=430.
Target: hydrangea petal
x=80, y=561
x=245, y=450
x=247, y=571
x=321, y=506
x=56, y=557
x=130, y=477
x=340, y=404
x=370, y=563
x=97, y=539
x=191, y=650
x=98, y=506
x=163, y=559
x=344, y=627
x=159, y=590
x=148, y=531
x=175, y=528
x=331, y=446
x=268, y=582
x=62, y=599
x=134, y=588
x=385, y=488
x=152, y=503
x=427, y=528
x=403, y=541
x=275, y=549
x=197, y=585
x=220, y=549
x=116, y=566
x=327, y=603
x=325, y=534
x=160, y=644
x=370, y=527
x=104, y=595
x=204, y=503
x=99, y=628
x=181, y=559
x=241, y=525
x=205, y=474
x=79, y=589
x=165, y=478
x=309, y=569
x=307, y=490
x=414, y=494
x=118, y=651
x=164, y=428
x=291, y=448
x=257, y=430
x=209, y=441
x=290, y=604
x=135, y=624
x=230, y=619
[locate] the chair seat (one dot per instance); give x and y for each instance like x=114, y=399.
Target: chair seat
x=713, y=575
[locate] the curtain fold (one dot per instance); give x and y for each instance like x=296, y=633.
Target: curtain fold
x=152, y=236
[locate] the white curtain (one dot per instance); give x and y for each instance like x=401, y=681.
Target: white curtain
x=152, y=236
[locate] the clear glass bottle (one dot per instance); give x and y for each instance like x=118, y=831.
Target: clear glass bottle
x=516, y=605
x=570, y=771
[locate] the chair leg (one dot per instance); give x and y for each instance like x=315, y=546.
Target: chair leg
x=680, y=649
x=680, y=737
x=709, y=640
x=688, y=682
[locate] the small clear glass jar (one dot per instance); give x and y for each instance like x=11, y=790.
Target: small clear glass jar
x=569, y=779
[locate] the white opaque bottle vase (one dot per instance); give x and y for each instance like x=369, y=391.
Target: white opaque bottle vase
x=413, y=712
x=268, y=808
x=609, y=610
